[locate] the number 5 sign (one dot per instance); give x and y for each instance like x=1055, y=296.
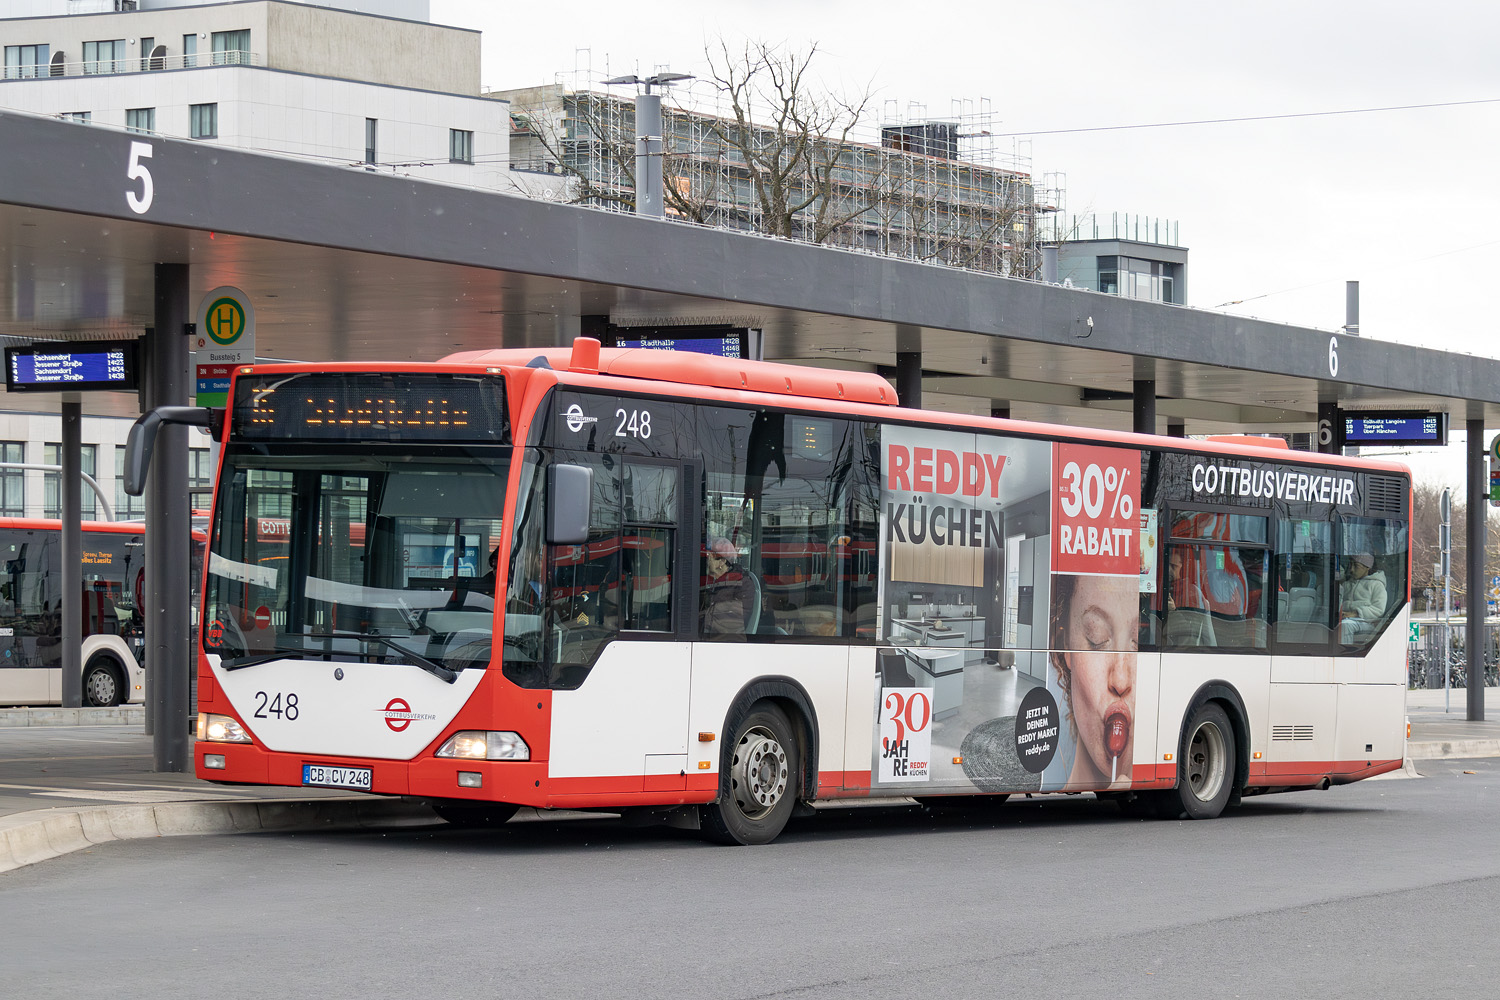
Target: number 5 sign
x=1095, y=526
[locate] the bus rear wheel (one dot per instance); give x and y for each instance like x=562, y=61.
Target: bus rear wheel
x=102, y=686
x=1206, y=766
x=758, y=780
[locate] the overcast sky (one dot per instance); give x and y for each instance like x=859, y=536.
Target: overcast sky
x=1277, y=214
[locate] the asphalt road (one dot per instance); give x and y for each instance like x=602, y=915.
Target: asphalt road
x=1381, y=889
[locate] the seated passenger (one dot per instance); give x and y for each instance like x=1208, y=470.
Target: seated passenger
x=728, y=594
x=1189, y=622
x=1362, y=599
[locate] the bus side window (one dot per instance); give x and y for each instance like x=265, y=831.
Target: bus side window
x=1372, y=578
x=1304, y=592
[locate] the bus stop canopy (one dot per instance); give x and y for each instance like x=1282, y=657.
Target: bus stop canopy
x=345, y=263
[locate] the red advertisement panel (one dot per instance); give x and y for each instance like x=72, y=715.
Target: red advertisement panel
x=1095, y=510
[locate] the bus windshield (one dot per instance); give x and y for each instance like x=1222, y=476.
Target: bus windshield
x=340, y=551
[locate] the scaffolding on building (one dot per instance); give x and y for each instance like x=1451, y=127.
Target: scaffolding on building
x=906, y=184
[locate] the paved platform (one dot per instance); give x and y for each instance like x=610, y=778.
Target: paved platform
x=71, y=778
x=1440, y=729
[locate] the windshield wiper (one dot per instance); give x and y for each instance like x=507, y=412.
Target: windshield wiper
x=442, y=673
x=276, y=653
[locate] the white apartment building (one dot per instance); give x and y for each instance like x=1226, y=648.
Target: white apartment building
x=357, y=84
x=335, y=85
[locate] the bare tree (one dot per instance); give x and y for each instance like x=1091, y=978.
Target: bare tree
x=779, y=156
x=794, y=141
x=1425, y=553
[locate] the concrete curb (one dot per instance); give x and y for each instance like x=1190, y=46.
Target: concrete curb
x=121, y=715
x=26, y=838
x=1452, y=749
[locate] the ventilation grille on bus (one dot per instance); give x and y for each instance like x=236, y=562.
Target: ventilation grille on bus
x=1386, y=495
x=1291, y=732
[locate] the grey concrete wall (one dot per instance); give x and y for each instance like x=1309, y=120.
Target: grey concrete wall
x=376, y=50
x=288, y=36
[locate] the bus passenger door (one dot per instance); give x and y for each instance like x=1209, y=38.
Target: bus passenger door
x=1303, y=701
x=624, y=599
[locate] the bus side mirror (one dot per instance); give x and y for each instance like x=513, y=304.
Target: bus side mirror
x=570, y=490
x=142, y=439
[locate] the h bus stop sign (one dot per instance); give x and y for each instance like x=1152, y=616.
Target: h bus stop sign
x=225, y=337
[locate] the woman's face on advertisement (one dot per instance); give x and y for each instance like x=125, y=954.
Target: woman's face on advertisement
x=1101, y=638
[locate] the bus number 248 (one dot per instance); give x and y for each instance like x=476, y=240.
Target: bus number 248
x=283, y=706
x=633, y=423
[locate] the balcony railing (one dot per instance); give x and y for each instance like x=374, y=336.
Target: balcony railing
x=135, y=64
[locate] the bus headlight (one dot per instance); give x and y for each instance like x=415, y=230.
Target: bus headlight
x=220, y=729
x=473, y=744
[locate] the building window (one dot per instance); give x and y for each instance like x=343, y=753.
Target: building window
x=205, y=121
x=1109, y=281
x=104, y=57
x=79, y=116
x=231, y=48
x=51, y=502
x=12, y=481
x=1166, y=288
x=369, y=140
x=24, y=62
x=200, y=480
x=147, y=44
x=127, y=507
x=140, y=120
x=460, y=146
x=189, y=51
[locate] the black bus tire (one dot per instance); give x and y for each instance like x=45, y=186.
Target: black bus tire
x=103, y=683
x=1205, y=766
x=757, y=780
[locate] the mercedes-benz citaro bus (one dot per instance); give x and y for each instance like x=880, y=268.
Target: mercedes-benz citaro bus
x=715, y=589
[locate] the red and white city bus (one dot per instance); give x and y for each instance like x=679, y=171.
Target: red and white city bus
x=113, y=619
x=729, y=586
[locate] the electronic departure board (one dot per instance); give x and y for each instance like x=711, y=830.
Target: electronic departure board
x=719, y=341
x=1395, y=427
x=71, y=367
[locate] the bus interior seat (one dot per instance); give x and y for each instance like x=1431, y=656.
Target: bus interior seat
x=1302, y=604
x=1189, y=627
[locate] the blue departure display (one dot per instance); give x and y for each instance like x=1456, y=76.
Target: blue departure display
x=1396, y=428
x=719, y=347
x=71, y=367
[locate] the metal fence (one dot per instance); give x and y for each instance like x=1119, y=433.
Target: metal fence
x=1429, y=657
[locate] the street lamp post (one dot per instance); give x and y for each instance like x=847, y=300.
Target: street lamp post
x=648, y=141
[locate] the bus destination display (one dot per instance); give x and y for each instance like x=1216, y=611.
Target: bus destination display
x=71, y=367
x=1396, y=428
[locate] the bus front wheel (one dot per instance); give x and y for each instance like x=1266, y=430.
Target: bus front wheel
x=102, y=684
x=1205, y=764
x=758, y=780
